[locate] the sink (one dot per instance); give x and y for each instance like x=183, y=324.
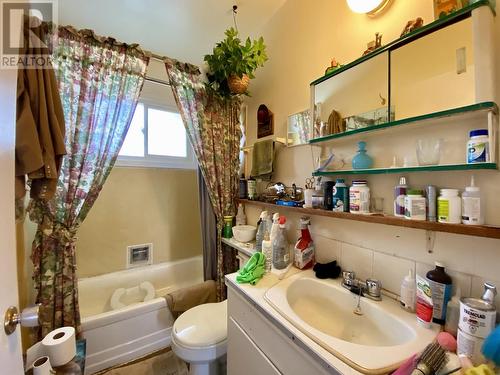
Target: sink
x=375, y=342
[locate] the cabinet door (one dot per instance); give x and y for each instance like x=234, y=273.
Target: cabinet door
x=243, y=356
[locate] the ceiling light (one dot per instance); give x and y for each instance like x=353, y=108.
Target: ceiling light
x=370, y=7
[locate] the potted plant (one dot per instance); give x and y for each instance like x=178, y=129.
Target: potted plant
x=232, y=63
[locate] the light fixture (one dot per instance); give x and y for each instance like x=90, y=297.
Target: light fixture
x=370, y=7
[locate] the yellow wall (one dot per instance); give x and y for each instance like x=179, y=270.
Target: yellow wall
x=301, y=38
x=136, y=206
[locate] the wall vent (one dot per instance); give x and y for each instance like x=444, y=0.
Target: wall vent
x=139, y=255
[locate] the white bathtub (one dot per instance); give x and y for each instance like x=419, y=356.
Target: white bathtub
x=119, y=336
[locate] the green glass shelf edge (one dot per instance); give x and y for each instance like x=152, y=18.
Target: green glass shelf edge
x=434, y=115
x=422, y=31
x=430, y=168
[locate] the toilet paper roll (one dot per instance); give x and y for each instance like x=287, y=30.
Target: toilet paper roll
x=41, y=366
x=60, y=345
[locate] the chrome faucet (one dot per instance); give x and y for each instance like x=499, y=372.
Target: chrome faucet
x=371, y=288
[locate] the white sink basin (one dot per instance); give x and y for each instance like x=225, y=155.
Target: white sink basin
x=375, y=342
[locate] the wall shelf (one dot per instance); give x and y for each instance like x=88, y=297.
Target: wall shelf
x=427, y=168
x=478, y=231
x=479, y=107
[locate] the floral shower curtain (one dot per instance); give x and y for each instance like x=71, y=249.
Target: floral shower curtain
x=212, y=125
x=99, y=82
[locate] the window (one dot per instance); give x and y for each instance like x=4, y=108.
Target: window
x=156, y=138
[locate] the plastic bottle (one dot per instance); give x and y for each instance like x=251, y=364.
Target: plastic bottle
x=252, y=189
x=304, y=248
x=453, y=314
x=359, y=197
x=281, y=254
x=472, y=205
x=478, y=147
x=408, y=292
x=399, y=197
x=241, y=218
x=261, y=229
x=449, y=207
x=267, y=250
x=340, y=196
x=440, y=283
x=415, y=205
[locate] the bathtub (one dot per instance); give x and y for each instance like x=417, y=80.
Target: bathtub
x=119, y=336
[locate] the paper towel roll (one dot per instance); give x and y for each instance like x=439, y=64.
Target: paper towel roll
x=42, y=367
x=60, y=345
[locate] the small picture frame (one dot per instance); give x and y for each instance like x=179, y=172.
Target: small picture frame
x=265, y=122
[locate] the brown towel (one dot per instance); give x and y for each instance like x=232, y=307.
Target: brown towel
x=40, y=126
x=186, y=298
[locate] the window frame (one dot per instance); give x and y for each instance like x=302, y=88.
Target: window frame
x=158, y=161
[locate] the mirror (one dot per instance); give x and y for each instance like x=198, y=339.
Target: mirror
x=353, y=99
x=299, y=129
x=424, y=82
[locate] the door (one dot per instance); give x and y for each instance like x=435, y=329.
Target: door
x=10, y=345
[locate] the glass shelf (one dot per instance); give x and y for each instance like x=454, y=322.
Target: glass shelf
x=484, y=106
x=426, y=168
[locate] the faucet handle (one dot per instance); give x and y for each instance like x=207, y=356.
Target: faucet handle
x=349, y=277
x=374, y=287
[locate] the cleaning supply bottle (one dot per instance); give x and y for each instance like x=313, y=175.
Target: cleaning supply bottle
x=261, y=229
x=241, y=219
x=440, y=283
x=399, y=197
x=453, y=314
x=281, y=254
x=275, y=226
x=304, y=248
x=472, y=205
x=267, y=250
x=408, y=292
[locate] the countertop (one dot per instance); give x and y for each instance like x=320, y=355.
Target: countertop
x=254, y=294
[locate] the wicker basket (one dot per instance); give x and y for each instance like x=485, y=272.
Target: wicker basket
x=238, y=85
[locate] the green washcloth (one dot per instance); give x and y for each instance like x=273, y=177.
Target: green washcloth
x=263, y=159
x=253, y=270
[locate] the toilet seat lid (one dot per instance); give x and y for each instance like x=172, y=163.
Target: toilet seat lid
x=203, y=325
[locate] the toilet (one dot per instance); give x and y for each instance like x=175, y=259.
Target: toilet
x=199, y=337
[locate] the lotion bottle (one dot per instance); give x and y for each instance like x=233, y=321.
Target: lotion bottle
x=472, y=205
x=408, y=292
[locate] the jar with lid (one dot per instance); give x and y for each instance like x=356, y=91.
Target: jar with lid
x=449, y=206
x=478, y=147
x=359, y=197
x=415, y=205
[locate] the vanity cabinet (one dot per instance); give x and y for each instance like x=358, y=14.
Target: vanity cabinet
x=258, y=346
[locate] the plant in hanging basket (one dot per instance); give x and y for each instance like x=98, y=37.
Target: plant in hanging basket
x=232, y=63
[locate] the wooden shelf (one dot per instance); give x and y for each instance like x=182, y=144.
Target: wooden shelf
x=424, y=168
x=469, y=230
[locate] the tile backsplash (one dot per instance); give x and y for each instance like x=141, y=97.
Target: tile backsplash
x=391, y=269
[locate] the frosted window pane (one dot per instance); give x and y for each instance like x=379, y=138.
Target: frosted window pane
x=134, y=140
x=166, y=134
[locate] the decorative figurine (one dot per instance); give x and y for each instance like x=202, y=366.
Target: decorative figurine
x=412, y=25
x=374, y=44
x=334, y=65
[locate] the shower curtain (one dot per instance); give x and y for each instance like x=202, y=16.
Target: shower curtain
x=99, y=81
x=212, y=125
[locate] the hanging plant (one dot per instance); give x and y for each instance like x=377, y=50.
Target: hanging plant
x=232, y=63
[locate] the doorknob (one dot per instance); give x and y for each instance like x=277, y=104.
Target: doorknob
x=27, y=318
